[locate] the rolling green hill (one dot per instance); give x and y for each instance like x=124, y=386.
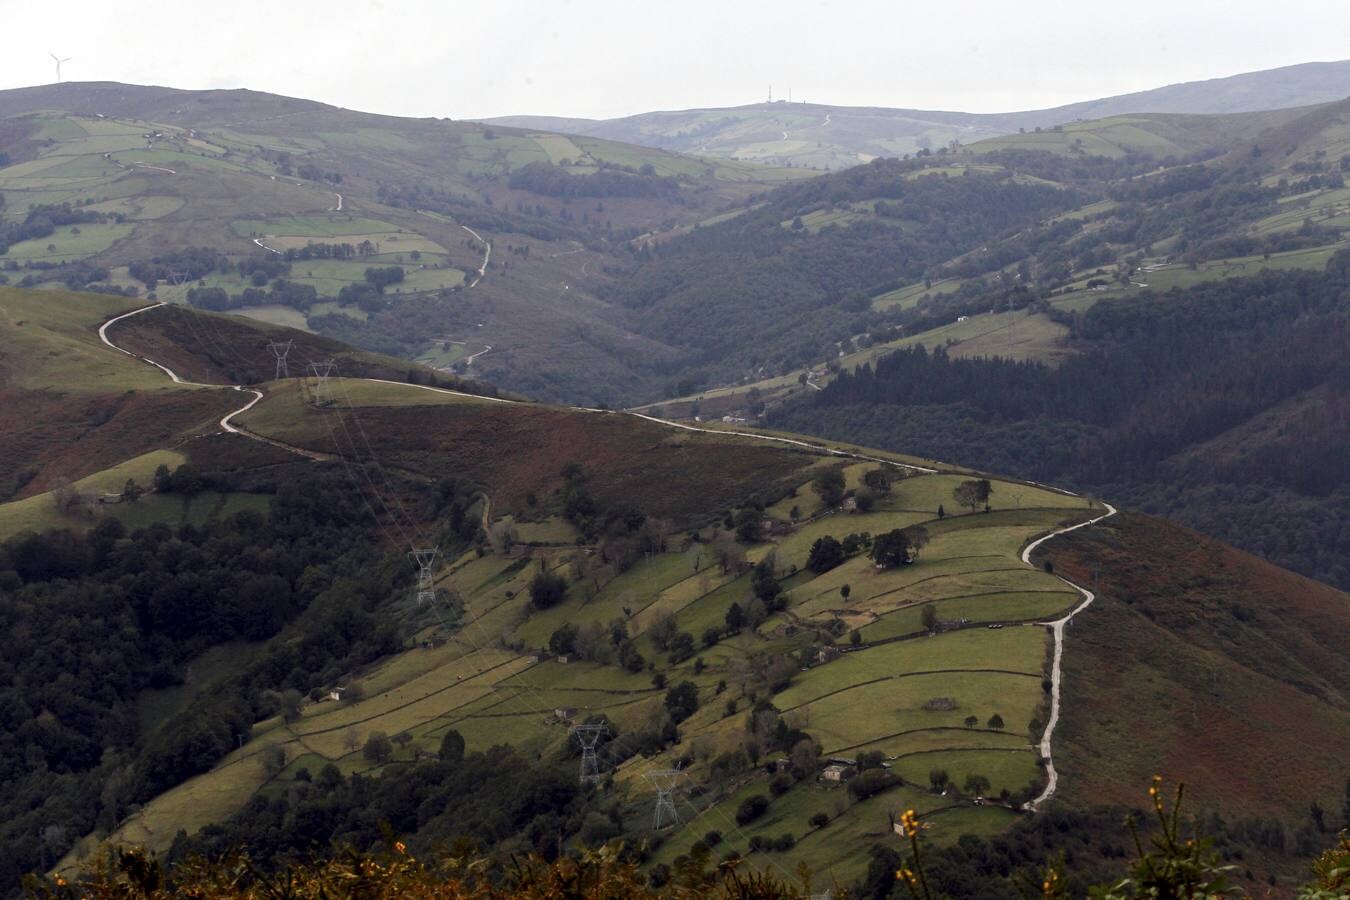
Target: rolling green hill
x=715, y=628
x=821, y=136
x=278, y=207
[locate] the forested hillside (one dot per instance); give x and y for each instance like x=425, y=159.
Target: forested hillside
x=767, y=289
x=1223, y=406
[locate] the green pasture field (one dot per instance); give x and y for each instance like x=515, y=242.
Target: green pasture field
x=922, y=741
x=794, y=549
x=69, y=243
x=439, y=358
x=1010, y=769
x=992, y=606
x=908, y=297
x=1018, y=335
x=1020, y=649
x=930, y=491
x=275, y=315
x=1111, y=137
x=59, y=338
x=878, y=715
x=405, y=707
x=1178, y=276
x=634, y=589
x=559, y=147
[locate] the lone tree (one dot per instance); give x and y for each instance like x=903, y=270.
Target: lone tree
x=547, y=590
x=378, y=748
x=826, y=553
x=749, y=526
x=735, y=618
x=900, y=546
x=995, y=721
x=452, y=747
x=939, y=779
x=976, y=784
x=682, y=701
x=829, y=485
x=930, y=617
x=878, y=481
x=973, y=493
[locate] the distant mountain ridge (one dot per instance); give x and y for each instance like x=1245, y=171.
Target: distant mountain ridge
x=826, y=136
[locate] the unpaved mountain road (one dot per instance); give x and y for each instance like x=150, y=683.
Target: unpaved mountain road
x=225, y=423
x=1056, y=673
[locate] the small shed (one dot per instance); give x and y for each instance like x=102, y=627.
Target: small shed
x=564, y=713
x=825, y=654
x=837, y=772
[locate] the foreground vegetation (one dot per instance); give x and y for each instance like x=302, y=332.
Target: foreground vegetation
x=1178, y=862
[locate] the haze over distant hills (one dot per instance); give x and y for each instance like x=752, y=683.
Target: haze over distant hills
x=826, y=136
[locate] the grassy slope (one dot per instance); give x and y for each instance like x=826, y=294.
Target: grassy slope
x=872, y=698
x=72, y=406
x=1230, y=669
x=489, y=695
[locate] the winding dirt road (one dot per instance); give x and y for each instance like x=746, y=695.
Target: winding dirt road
x=487, y=253
x=226, y=422
x=1056, y=673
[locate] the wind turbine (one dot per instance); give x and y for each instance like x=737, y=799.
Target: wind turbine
x=59, y=60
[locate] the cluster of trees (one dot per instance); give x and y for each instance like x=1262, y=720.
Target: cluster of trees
x=190, y=264
x=498, y=798
x=42, y=221
x=329, y=251
x=93, y=620
x=368, y=294
x=1158, y=380
x=281, y=293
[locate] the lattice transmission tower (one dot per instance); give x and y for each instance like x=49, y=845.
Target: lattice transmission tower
x=588, y=736
x=664, y=783
x=425, y=559
x=279, y=350
x=322, y=370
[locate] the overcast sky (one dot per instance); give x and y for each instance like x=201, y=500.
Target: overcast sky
x=604, y=58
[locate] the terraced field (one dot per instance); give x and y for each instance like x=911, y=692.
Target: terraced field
x=965, y=697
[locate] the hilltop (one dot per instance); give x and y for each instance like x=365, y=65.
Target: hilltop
x=822, y=136
x=271, y=674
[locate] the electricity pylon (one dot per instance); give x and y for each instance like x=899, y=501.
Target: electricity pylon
x=588, y=735
x=664, y=783
x=279, y=350
x=426, y=563
x=321, y=371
